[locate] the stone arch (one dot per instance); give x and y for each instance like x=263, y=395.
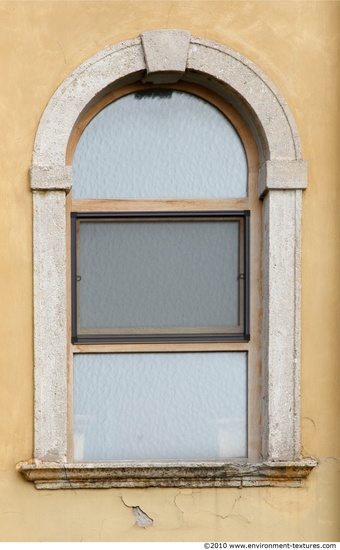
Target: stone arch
x=167, y=56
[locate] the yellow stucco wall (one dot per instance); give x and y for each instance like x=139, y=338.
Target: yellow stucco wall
x=297, y=44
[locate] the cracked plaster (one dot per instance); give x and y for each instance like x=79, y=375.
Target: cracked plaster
x=192, y=505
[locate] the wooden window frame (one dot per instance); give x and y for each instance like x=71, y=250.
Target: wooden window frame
x=250, y=204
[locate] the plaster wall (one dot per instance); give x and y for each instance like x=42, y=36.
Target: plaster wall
x=297, y=44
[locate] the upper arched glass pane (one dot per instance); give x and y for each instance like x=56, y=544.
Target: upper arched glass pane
x=159, y=143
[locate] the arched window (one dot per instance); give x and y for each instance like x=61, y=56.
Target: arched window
x=162, y=142
x=168, y=268
x=164, y=220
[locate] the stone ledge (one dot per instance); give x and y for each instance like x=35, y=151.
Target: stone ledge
x=51, y=475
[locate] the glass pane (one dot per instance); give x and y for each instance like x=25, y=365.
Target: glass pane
x=189, y=406
x=159, y=276
x=159, y=144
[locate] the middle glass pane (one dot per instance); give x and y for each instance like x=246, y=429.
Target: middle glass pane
x=158, y=277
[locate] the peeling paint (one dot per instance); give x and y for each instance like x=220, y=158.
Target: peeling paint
x=142, y=519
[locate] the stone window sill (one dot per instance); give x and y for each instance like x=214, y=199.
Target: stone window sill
x=51, y=475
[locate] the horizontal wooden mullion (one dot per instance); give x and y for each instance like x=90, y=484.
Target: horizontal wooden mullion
x=164, y=347
x=152, y=205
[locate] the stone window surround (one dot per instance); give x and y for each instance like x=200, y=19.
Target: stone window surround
x=166, y=56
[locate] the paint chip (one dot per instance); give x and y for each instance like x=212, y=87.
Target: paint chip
x=142, y=519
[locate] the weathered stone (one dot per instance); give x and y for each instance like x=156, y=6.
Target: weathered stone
x=281, y=324
x=73, y=96
x=171, y=474
x=166, y=53
x=273, y=119
x=49, y=178
x=50, y=358
x=282, y=174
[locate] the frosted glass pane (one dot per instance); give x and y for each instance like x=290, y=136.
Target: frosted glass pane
x=159, y=274
x=160, y=406
x=159, y=144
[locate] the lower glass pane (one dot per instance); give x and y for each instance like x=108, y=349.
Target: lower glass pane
x=160, y=406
